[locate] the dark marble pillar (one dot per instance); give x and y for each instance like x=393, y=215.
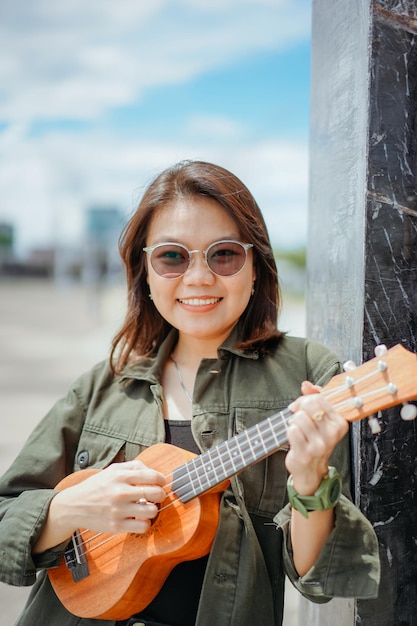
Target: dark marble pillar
x=362, y=260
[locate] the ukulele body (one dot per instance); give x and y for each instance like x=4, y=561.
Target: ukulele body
x=126, y=571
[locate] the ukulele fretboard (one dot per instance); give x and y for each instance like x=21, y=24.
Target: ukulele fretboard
x=231, y=457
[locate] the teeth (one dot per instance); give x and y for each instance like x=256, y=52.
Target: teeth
x=199, y=302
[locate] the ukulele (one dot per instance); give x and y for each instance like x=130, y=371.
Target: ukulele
x=106, y=576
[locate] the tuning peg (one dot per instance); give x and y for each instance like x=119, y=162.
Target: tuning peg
x=374, y=424
x=349, y=366
x=408, y=412
x=380, y=350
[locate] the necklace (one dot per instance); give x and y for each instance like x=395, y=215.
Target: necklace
x=180, y=378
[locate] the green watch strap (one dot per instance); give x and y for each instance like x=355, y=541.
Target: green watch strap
x=325, y=497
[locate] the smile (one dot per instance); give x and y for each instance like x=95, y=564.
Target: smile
x=199, y=301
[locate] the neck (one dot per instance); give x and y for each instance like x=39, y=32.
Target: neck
x=190, y=351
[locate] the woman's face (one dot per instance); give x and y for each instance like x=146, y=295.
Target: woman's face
x=200, y=303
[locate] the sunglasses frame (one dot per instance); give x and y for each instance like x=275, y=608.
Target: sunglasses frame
x=150, y=249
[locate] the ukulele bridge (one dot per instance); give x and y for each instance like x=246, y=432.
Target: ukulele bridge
x=75, y=558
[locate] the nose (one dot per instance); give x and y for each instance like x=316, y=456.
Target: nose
x=198, y=271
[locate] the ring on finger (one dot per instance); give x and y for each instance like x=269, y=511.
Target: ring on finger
x=318, y=416
x=142, y=499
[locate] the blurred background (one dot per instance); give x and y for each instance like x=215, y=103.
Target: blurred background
x=95, y=99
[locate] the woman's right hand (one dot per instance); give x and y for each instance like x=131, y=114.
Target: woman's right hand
x=111, y=500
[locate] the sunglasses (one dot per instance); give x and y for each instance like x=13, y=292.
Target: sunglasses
x=224, y=258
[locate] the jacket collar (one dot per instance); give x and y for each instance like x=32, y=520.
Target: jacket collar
x=150, y=368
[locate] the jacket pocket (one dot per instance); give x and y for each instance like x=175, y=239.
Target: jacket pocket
x=98, y=450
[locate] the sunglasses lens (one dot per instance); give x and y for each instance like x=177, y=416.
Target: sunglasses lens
x=226, y=258
x=170, y=261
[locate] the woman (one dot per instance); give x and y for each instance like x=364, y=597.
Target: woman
x=198, y=360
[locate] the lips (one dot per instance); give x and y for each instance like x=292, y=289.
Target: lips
x=199, y=301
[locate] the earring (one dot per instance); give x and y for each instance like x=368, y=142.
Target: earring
x=150, y=296
x=253, y=288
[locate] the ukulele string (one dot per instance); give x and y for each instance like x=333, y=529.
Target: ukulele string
x=87, y=541
x=280, y=430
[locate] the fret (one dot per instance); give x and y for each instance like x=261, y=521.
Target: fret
x=233, y=454
x=193, y=476
x=227, y=459
x=208, y=476
x=270, y=438
x=216, y=472
x=274, y=435
x=248, y=438
x=221, y=458
x=260, y=439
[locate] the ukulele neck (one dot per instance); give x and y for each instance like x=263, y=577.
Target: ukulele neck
x=231, y=457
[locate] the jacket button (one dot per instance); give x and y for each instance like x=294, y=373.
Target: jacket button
x=83, y=459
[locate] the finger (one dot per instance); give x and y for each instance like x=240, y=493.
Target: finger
x=136, y=473
x=300, y=429
x=148, y=493
x=326, y=426
x=317, y=416
x=314, y=433
x=308, y=388
x=305, y=440
x=310, y=402
x=132, y=523
x=136, y=526
x=147, y=475
x=308, y=416
x=142, y=498
x=140, y=510
x=314, y=405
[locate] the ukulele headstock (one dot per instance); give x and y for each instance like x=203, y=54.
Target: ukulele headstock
x=384, y=381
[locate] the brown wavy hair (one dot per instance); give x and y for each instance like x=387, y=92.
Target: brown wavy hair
x=144, y=328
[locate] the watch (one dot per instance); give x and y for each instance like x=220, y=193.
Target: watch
x=325, y=497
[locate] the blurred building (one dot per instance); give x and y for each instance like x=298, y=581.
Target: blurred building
x=39, y=262
x=6, y=243
x=101, y=260
x=95, y=260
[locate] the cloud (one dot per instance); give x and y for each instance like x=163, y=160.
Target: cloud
x=76, y=59
x=214, y=127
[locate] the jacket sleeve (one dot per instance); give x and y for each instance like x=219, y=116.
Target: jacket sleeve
x=27, y=488
x=348, y=565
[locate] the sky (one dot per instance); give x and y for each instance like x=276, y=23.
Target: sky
x=97, y=97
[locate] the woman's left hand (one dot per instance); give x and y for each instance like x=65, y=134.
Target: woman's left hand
x=313, y=432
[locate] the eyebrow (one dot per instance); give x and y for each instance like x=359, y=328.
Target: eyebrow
x=228, y=237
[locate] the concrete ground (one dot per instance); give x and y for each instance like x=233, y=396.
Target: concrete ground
x=49, y=334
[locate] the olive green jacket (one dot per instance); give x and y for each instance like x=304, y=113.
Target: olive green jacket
x=105, y=418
